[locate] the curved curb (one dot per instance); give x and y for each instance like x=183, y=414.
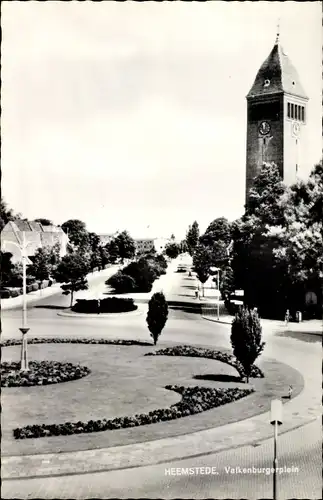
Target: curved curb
x=137, y=312
x=140, y=455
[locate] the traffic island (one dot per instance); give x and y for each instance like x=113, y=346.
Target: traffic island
x=125, y=384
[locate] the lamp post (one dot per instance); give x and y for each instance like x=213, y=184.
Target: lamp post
x=217, y=270
x=24, y=329
x=276, y=411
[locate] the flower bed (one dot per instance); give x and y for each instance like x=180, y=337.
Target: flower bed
x=57, y=340
x=108, y=305
x=198, y=352
x=194, y=400
x=40, y=373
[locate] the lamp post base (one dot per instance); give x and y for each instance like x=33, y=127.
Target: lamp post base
x=24, y=357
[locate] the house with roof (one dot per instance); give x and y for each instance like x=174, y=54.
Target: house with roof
x=36, y=236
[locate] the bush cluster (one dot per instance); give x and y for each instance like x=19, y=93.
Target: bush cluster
x=138, y=276
x=199, y=352
x=108, y=305
x=194, y=400
x=7, y=293
x=86, y=341
x=40, y=373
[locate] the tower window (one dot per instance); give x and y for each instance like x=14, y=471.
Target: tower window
x=292, y=111
x=288, y=109
x=303, y=114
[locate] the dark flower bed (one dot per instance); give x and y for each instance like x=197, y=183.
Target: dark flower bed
x=194, y=400
x=41, y=373
x=199, y=352
x=57, y=340
x=108, y=305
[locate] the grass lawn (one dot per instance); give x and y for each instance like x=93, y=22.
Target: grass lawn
x=123, y=382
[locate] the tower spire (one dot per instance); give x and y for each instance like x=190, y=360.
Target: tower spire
x=278, y=32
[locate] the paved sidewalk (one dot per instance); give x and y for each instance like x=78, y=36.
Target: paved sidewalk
x=16, y=302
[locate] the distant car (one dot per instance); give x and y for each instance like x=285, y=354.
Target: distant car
x=181, y=269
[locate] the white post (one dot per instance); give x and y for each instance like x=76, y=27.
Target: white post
x=275, y=420
x=275, y=463
x=24, y=330
x=24, y=282
x=218, y=294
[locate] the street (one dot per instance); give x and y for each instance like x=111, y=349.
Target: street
x=300, y=448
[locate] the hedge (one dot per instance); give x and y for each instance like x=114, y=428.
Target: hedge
x=199, y=352
x=108, y=305
x=194, y=400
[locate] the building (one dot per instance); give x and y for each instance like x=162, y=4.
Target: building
x=36, y=236
x=150, y=244
x=276, y=119
x=106, y=238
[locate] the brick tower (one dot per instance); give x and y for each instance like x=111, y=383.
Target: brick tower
x=276, y=119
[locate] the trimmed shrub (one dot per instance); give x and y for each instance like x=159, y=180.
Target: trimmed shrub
x=86, y=306
x=122, y=283
x=157, y=315
x=142, y=273
x=116, y=305
x=108, y=305
x=246, y=339
x=5, y=294
x=14, y=292
x=35, y=287
x=29, y=288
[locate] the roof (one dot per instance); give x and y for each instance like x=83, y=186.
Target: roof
x=280, y=73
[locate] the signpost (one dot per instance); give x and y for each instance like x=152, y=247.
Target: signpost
x=276, y=412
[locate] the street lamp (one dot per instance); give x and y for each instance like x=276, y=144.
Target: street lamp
x=24, y=330
x=217, y=270
x=276, y=411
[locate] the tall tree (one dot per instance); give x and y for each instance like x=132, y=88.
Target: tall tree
x=72, y=271
x=6, y=214
x=202, y=261
x=265, y=196
x=41, y=267
x=6, y=268
x=192, y=237
x=126, y=246
x=113, y=250
x=77, y=233
x=172, y=250
x=217, y=237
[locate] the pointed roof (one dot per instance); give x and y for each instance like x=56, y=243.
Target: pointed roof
x=276, y=75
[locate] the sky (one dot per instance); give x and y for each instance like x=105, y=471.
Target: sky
x=132, y=115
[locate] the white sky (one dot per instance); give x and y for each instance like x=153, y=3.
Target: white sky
x=132, y=114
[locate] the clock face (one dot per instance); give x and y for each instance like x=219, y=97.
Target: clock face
x=264, y=128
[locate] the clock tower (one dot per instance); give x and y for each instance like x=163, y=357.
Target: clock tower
x=276, y=119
